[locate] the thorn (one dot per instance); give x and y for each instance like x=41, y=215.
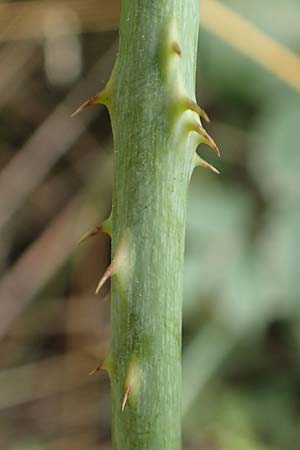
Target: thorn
x=125, y=398
x=121, y=263
x=193, y=106
x=97, y=369
x=207, y=139
x=101, y=97
x=202, y=163
x=89, y=234
x=206, y=165
x=176, y=49
x=105, y=365
x=107, y=274
x=105, y=227
x=91, y=101
x=132, y=381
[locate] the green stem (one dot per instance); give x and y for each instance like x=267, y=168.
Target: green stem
x=155, y=139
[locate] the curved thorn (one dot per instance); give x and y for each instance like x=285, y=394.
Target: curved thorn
x=97, y=369
x=107, y=274
x=119, y=261
x=105, y=227
x=125, y=398
x=202, y=163
x=193, y=106
x=91, y=101
x=101, y=97
x=98, y=230
x=207, y=139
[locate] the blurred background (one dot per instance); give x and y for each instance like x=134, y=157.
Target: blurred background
x=242, y=286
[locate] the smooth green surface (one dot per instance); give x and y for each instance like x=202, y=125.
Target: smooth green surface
x=153, y=158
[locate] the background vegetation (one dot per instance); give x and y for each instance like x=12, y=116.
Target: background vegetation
x=241, y=311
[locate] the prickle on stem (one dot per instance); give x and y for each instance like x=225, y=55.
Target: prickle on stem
x=170, y=50
x=101, y=97
x=205, y=137
x=176, y=48
x=107, y=274
x=105, y=227
x=193, y=106
x=94, y=232
x=97, y=369
x=132, y=382
x=125, y=398
x=91, y=101
x=120, y=262
x=202, y=163
x=105, y=365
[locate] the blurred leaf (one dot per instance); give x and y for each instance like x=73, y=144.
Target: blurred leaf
x=275, y=161
x=218, y=223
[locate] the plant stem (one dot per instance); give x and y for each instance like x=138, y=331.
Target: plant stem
x=150, y=100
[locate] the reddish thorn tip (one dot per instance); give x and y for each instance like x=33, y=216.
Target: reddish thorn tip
x=98, y=368
x=107, y=274
x=176, y=48
x=91, y=101
x=125, y=398
x=90, y=234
